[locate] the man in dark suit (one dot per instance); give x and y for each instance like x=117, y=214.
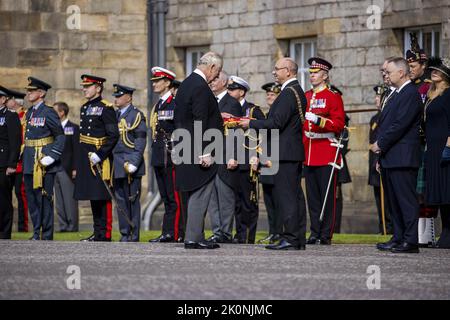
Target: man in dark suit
x=197, y=106
x=223, y=201
x=66, y=205
x=398, y=144
x=286, y=115
x=10, y=141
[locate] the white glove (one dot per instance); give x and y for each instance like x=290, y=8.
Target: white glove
x=47, y=161
x=131, y=168
x=311, y=117
x=94, y=159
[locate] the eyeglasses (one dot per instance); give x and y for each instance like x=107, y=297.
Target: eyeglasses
x=278, y=69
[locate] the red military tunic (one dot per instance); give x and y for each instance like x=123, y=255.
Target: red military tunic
x=328, y=105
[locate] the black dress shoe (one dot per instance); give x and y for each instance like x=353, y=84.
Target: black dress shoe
x=284, y=245
x=88, y=239
x=238, y=241
x=387, y=246
x=201, y=245
x=215, y=239
x=164, y=238
x=405, y=248
x=34, y=239
x=325, y=242
x=312, y=240
x=225, y=240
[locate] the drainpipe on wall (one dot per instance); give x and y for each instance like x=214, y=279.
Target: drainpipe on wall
x=156, y=55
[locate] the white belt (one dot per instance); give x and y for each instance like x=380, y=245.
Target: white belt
x=313, y=135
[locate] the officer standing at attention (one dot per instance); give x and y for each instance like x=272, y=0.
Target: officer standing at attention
x=129, y=165
x=99, y=134
x=162, y=126
x=10, y=141
x=325, y=121
x=246, y=214
x=44, y=144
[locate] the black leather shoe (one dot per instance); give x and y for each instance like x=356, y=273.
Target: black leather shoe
x=312, y=240
x=238, y=241
x=164, y=238
x=201, y=245
x=325, y=242
x=88, y=239
x=180, y=240
x=34, y=239
x=405, y=248
x=284, y=245
x=215, y=239
x=225, y=240
x=387, y=246
x=267, y=239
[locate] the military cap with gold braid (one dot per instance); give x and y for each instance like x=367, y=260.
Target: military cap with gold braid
x=120, y=90
x=36, y=84
x=272, y=87
x=88, y=80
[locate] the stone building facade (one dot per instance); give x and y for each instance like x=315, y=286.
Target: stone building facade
x=356, y=36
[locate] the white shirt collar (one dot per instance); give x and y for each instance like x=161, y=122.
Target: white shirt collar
x=404, y=85
x=220, y=96
x=38, y=105
x=242, y=102
x=166, y=96
x=200, y=73
x=287, y=82
x=64, y=123
x=122, y=111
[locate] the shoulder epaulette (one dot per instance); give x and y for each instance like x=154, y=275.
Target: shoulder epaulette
x=428, y=81
x=335, y=90
x=107, y=103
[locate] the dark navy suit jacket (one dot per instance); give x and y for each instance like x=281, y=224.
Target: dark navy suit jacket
x=398, y=132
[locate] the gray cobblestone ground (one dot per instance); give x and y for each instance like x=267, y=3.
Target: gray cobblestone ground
x=37, y=270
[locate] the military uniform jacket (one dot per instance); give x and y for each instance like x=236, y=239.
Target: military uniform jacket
x=43, y=122
x=71, y=147
x=423, y=85
x=132, y=142
x=329, y=106
x=196, y=102
x=98, y=119
x=253, y=111
x=23, y=123
x=229, y=105
x=163, y=125
x=10, y=138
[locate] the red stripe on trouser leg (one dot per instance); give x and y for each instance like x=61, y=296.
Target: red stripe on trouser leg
x=25, y=206
x=178, y=212
x=108, y=219
x=334, y=206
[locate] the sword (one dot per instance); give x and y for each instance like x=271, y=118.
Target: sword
x=334, y=166
x=114, y=199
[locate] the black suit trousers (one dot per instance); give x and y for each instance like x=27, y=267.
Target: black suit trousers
x=290, y=202
x=400, y=184
x=6, y=207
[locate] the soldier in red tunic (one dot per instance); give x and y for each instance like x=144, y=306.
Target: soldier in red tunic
x=325, y=120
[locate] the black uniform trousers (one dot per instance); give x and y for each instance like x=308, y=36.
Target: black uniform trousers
x=102, y=214
x=165, y=181
x=22, y=205
x=400, y=190
x=247, y=212
x=6, y=207
x=128, y=198
x=290, y=202
x=317, y=179
x=274, y=221
x=40, y=204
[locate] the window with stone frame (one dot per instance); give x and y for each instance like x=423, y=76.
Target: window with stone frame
x=429, y=39
x=193, y=55
x=301, y=50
